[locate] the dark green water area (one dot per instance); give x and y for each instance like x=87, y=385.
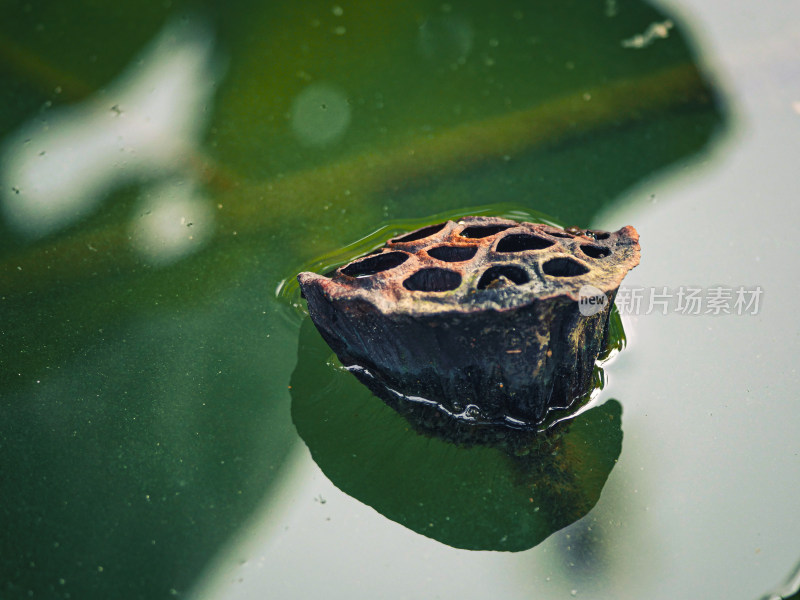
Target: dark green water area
x=145, y=371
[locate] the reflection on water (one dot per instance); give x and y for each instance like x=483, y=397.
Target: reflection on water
x=174, y=219
x=59, y=166
x=655, y=31
x=472, y=488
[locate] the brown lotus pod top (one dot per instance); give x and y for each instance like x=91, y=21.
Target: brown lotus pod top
x=483, y=262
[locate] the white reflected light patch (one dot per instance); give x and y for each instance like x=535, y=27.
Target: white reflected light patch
x=144, y=124
x=320, y=114
x=174, y=220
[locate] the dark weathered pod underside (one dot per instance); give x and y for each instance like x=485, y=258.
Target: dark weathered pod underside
x=477, y=318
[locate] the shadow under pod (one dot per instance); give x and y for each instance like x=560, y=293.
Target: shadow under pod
x=497, y=496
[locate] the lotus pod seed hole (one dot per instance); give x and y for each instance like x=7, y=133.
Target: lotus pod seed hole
x=492, y=276
x=433, y=280
x=419, y=234
x=562, y=266
x=375, y=264
x=482, y=231
x=595, y=251
x=519, y=242
x=453, y=253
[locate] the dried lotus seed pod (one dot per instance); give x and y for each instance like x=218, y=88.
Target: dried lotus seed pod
x=478, y=318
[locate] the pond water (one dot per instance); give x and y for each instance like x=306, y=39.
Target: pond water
x=165, y=171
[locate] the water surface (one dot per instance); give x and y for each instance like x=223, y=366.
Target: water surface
x=165, y=169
